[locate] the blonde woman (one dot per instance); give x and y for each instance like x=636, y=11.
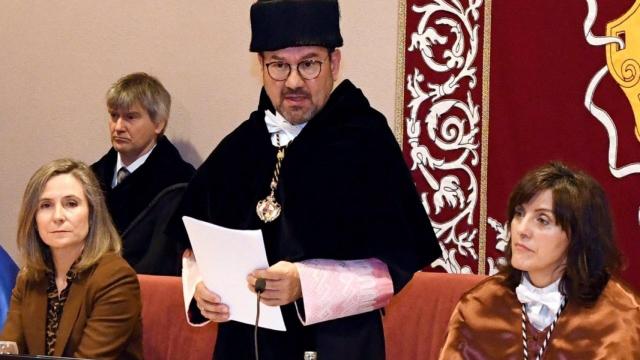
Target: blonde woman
x=75, y=296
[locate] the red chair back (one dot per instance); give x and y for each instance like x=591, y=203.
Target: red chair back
x=165, y=331
x=416, y=320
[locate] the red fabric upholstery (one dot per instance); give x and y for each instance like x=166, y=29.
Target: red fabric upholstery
x=165, y=331
x=416, y=320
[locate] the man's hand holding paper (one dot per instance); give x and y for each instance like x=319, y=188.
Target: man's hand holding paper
x=224, y=257
x=283, y=283
x=210, y=304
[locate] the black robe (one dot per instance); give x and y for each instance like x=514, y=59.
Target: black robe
x=143, y=203
x=346, y=194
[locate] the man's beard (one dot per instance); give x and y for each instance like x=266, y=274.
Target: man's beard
x=297, y=114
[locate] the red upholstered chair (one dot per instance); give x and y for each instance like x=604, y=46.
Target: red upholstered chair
x=165, y=331
x=416, y=320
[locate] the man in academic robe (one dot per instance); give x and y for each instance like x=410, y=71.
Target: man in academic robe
x=143, y=175
x=318, y=170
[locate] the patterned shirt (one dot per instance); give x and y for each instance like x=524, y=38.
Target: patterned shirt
x=55, y=305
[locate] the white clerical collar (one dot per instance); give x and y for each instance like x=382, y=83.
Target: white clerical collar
x=282, y=131
x=541, y=304
x=132, y=167
x=553, y=287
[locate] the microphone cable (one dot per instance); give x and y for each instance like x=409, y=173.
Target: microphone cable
x=260, y=286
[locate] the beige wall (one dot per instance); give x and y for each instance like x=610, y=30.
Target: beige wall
x=59, y=57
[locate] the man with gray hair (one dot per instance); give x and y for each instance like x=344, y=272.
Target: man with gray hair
x=143, y=175
x=318, y=170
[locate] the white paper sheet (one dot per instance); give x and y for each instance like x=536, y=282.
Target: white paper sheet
x=225, y=257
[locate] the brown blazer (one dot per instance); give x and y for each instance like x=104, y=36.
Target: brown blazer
x=101, y=317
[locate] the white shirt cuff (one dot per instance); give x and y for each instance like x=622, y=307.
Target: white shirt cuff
x=190, y=278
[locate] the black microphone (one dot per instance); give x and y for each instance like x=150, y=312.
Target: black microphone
x=260, y=286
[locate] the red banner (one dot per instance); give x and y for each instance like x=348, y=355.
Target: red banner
x=492, y=89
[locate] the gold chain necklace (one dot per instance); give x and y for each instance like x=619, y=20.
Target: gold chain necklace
x=268, y=208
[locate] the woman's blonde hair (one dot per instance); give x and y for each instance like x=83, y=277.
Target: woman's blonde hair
x=102, y=237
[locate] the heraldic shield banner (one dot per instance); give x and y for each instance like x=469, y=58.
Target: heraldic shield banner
x=488, y=90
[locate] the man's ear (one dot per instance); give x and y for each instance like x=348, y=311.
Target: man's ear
x=160, y=126
x=335, y=58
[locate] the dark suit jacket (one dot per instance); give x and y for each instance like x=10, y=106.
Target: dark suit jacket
x=101, y=317
x=142, y=204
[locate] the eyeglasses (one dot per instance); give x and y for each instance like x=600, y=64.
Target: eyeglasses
x=308, y=69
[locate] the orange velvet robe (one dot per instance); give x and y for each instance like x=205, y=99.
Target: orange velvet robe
x=486, y=324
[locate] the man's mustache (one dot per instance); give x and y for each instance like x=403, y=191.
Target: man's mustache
x=299, y=92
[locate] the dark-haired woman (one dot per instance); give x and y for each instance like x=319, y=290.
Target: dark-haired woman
x=557, y=297
x=75, y=295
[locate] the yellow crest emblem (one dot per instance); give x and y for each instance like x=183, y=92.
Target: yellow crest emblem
x=624, y=63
